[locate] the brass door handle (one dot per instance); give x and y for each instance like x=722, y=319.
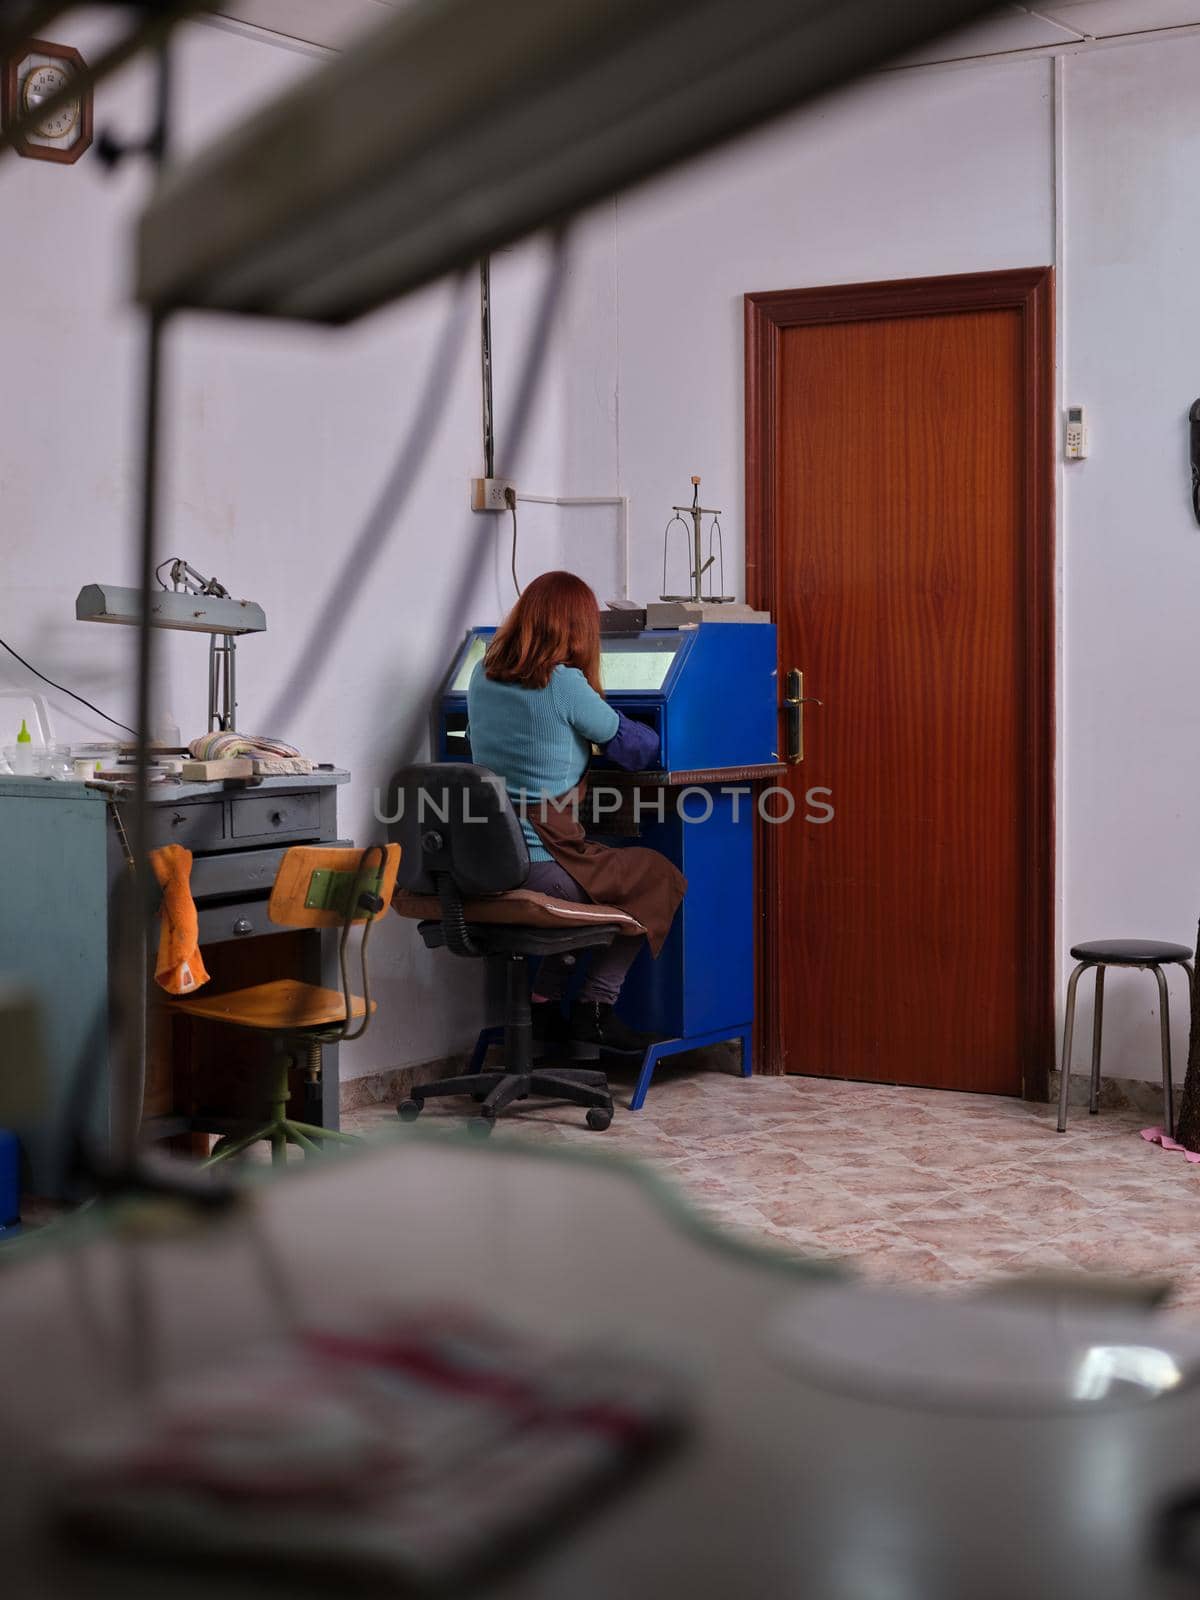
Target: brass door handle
x=794, y=704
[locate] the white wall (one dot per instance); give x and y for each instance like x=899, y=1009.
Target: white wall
x=281, y=437
x=909, y=174
x=948, y=170
x=1132, y=724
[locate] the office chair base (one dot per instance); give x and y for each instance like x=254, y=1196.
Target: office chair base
x=497, y=1088
x=279, y=1133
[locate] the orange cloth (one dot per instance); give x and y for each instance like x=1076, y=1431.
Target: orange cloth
x=180, y=966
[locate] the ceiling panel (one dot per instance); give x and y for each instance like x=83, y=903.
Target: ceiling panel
x=1013, y=28
x=1105, y=19
x=333, y=23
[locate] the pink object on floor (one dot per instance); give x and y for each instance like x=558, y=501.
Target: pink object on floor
x=1157, y=1136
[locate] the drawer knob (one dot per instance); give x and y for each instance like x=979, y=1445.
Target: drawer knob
x=242, y=927
x=277, y=817
x=177, y=819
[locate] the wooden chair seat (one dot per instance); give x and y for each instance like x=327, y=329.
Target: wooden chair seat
x=285, y=1005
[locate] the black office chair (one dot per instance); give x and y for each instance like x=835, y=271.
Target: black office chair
x=463, y=860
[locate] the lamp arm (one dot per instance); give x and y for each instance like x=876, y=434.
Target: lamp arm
x=185, y=578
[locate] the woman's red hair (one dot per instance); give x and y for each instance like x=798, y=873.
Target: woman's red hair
x=555, y=622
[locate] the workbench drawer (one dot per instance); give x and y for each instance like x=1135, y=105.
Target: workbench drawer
x=288, y=815
x=227, y=873
x=198, y=824
x=235, y=919
x=241, y=872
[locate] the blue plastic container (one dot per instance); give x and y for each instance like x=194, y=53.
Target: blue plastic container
x=10, y=1180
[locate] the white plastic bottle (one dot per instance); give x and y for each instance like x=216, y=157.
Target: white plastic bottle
x=167, y=734
x=22, y=756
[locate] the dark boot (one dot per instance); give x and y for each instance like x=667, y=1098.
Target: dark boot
x=551, y=1032
x=595, y=1026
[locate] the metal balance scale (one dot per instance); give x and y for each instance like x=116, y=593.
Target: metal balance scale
x=699, y=566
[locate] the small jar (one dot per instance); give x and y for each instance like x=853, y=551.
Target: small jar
x=53, y=761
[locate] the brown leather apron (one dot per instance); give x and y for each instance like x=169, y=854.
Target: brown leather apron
x=634, y=879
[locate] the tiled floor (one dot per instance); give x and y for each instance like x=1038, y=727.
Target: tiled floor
x=910, y=1185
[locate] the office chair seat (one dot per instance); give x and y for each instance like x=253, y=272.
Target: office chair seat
x=284, y=1005
x=497, y=938
x=522, y=908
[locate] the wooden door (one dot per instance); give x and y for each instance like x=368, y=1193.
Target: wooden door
x=899, y=527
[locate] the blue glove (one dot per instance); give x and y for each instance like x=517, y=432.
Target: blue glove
x=634, y=745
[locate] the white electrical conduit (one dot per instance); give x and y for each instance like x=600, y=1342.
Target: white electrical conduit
x=621, y=501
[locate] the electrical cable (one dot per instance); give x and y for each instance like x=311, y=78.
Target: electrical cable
x=457, y=614
x=62, y=689
x=485, y=353
x=511, y=497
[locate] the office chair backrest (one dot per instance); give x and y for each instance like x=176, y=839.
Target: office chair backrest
x=319, y=886
x=455, y=823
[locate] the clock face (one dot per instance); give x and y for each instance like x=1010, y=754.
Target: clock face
x=41, y=82
x=36, y=76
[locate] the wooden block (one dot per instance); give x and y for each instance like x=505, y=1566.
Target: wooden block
x=214, y=771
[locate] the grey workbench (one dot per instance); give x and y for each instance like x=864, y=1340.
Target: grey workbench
x=63, y=851
x=782, y=1489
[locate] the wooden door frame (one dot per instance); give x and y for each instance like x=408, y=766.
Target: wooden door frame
x=1030, y=292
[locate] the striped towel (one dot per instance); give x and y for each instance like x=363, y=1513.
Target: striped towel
x=221, y=746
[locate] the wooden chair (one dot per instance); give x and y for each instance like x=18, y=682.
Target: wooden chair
x=315, y=887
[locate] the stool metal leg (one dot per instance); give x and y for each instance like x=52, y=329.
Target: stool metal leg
x=1068, y=1035
x=1191, y=974
x=1097, y=1031
x=1164, y=1022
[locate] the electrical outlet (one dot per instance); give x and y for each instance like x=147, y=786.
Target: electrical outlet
x=490, y=494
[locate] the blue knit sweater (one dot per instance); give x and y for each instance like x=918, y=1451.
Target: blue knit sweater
x=538, y=740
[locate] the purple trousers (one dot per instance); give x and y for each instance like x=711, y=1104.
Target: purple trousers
x=609, y=963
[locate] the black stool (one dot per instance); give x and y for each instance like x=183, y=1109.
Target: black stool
x=1122, y=953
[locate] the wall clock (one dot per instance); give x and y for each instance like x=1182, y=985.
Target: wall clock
x=34, y=72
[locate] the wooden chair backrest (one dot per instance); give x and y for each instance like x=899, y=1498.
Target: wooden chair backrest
x=301, y=900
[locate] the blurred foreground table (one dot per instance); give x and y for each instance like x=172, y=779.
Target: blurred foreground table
x=784, y=1488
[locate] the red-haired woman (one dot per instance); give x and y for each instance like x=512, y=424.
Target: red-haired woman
x=535, y=709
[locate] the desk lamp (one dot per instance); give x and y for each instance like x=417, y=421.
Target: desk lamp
x=194, y=604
